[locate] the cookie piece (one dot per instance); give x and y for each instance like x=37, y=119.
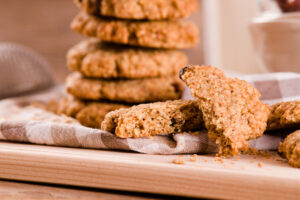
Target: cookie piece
x=129, y=91
x=140, y=9
x=95, y=59
x=284, y=115
x=231, y=108
x=156, y=34
x=159, y=118
x=90, y=114
x=290, y=148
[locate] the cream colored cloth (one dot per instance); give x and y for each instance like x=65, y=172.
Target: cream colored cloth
x=24, y=123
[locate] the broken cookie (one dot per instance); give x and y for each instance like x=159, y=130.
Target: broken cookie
x=232, y=111
x=290, y=148
x=284, y=115
x=160, y=118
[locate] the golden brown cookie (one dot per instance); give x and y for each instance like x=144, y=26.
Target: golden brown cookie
x=284, y=115
x=95, y=59
x=127, y=90
x=156, y=34
x=231, y=108
x=159, y=118
x=90, y=114
x=140, y=9
x=290, y=148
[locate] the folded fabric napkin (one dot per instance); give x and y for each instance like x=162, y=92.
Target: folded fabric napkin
x=22, y=122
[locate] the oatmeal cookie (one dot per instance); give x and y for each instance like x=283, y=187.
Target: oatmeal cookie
x=231, y=108
x=95, y=59
x=90, y=114
x=140, y=9
x=129, y=91
x=159, y=118
x=290, y=148
x=284, y=115
x=156, y=34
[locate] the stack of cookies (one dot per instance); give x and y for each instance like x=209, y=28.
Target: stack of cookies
x=130, y=57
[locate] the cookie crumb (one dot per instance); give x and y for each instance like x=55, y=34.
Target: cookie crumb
x=178, y=161
x=237, y=158
x=259, y=164
x=193, y=158
x=219, y=159
x=253, y=151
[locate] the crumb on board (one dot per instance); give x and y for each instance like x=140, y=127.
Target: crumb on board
x=178, y=160
x=193, y=158
x=259, y=164
x=219, y=159
x=237, y=158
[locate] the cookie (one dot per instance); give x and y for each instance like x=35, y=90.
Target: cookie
x=159, y=118
x=156, y=34
x=140, y=9
x=95, y=59
x=284, y=115
x=90, y=114
x=231, y=108
x=129, y=91
x=290, y=148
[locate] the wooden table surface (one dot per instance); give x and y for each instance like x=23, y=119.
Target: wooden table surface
x=246, y=177
x=32, y=191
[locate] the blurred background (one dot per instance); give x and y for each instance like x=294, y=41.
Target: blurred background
x=44, y=26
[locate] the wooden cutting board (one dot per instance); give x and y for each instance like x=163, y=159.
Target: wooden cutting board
x=250, y=177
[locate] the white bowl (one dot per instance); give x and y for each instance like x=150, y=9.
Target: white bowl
x=276, y=41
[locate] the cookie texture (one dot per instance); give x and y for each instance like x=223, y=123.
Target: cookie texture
x=129, y=91
x=159, y=118
x=290, y=148
x=90, y=114
x=231, y=108
x=284, y=115
x=140, y=9
x=95, y=59
x=156, y=34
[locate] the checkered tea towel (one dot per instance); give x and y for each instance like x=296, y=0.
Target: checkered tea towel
x=19, y=121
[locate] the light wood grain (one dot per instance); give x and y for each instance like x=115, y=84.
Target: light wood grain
x=151, y=173
x=30, y=191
